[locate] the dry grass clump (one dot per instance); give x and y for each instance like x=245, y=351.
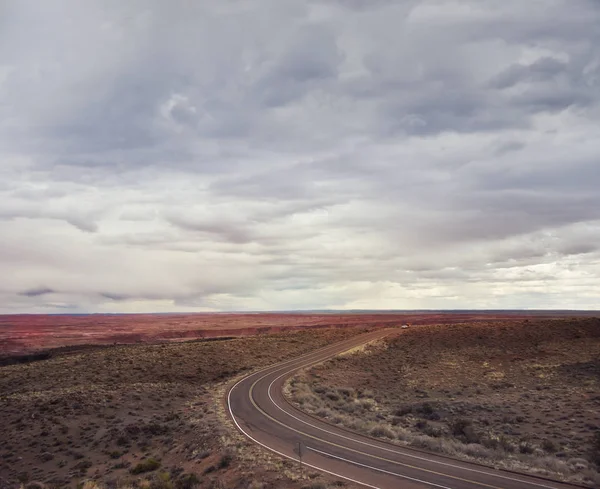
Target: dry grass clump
x=147, y=465
x=159, y=480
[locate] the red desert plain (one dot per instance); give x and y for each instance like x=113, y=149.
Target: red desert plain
x=25, y=334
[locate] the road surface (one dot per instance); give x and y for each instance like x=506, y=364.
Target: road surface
x=258, y=409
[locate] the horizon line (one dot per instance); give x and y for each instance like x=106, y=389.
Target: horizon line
x=306, y=311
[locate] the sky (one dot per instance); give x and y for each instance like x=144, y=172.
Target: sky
x=224, y=155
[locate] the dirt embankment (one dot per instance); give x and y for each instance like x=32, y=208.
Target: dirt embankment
x=523, y=395
x=147, y=416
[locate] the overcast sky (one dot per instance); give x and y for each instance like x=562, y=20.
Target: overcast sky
x=277, y=154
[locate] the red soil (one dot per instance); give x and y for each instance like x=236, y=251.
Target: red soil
x=29, y=333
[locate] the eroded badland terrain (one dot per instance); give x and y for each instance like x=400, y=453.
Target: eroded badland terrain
x=521, y=395
x=27, y=333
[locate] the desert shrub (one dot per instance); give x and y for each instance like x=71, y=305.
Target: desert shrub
x=433, y=431
x=337, y=419
x=463, y=429
x=506, y=444
x=382, y=432
x=133, y=430
x=144, y=466
x=471, y=436
x=438, y=445
x=592, y=477
x=348, y=407
x=256, y=485
x=225, y=460
x=396, y=421
x=83, y=465
x=427, y=411
x=346, y=391
x=526, y=447
x=187, y=481
x=366, y=393
x=323, y=413
x=367, y=404
x=304, y=398
x=46, y=456
x=402, y=434
x=490, y=441
x=90, y=484
x=458, y=426
x=552, y=464
x=550, y=446
x=216, y=484
x=153, y=429
x=357, y=425
x=332, y=396
x=23, y=477
x=161, y=481
x=595, y=448
x=578, y=463
x=477, y=451
x=403, y=411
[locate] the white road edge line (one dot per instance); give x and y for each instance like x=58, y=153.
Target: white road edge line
x=377, y=469
x=494, y=474
x=283, y=454
x=318, y=351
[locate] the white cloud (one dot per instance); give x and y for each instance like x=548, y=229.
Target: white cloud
x=299, y=155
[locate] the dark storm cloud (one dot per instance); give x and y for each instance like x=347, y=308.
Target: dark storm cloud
x=115, y=297
x=298, y=154
x=37, y=292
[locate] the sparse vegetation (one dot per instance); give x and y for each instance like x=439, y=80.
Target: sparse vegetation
x=225, y=460
x=146, y=466
x=187, y=481
x=115, y=412
x=595, y=448
x=520, y=395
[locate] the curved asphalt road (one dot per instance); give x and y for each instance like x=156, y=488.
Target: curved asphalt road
x=258, y=409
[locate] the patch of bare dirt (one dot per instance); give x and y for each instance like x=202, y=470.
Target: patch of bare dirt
x=148, y=416
x=521, y=394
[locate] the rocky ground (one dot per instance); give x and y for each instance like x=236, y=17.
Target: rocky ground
x=521, y=394
x=148, y=416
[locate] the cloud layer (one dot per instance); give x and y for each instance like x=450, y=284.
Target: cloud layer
x=190, y=156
